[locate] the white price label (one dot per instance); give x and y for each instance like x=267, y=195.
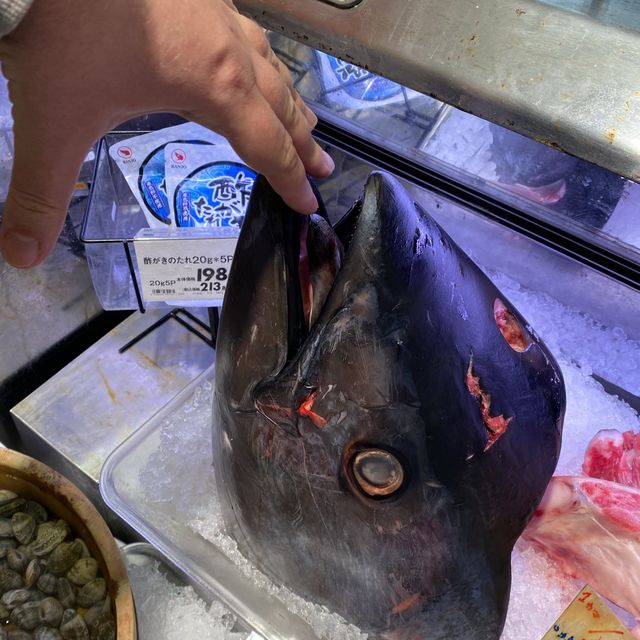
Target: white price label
x=184, y=269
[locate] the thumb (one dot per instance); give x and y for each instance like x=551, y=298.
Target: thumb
x=45, y=168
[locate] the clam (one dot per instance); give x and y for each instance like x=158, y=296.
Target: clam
x=51, y=612
x=64, y=556
x=6, y=544
x=95, y=611
x=10, y=580
x=6, y=496
x=74, y=628
x=10, y=502
x=106, y=604
x=83, y=571
x=47, y=583
x=27, y=551
x=26, y=616
x=32, y=574
x=49, y=535
x=19, y=634
x=36, y=510
x=92, y=592
x=17, y=560
x=66, y=593
x=45, y=632
x=63, y=524
x=104, y=628
x=6, y=528
x=85, y=550
x=92, y=615
x=68, y=614
x=8, y=508
x=24, y=527
x=16, y=597
x=43, y=578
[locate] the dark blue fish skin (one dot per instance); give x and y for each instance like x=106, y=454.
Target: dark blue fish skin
x=386, y=366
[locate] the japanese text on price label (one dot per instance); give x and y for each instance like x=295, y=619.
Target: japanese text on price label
x=190, y=269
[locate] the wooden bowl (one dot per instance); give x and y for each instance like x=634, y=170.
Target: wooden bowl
x=34, y=480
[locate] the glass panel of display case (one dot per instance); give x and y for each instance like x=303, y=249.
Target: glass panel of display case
x=546, y=183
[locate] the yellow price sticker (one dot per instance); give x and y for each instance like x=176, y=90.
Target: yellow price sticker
x=588, y=618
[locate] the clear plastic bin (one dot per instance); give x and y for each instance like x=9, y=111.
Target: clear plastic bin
x=112, y=220
x=125, y=488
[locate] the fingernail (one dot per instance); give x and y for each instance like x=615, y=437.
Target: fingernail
x=328, y=163
x=19, y=250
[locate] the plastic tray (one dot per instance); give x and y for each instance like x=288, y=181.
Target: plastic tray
x=141, y=554
x=161, y=524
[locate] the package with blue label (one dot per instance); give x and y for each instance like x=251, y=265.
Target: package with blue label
x=162, y=227
x=142, y=162
x=353, y=87
x=209, y=185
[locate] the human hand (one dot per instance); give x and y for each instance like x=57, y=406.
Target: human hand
x=77, y=68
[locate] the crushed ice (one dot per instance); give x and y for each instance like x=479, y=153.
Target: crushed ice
x=173, y=611
x=539, y=591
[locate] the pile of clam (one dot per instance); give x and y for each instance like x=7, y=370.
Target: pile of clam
x=49, y=583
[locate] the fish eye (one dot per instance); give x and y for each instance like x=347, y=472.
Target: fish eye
x=378, y=473
x=512, y=331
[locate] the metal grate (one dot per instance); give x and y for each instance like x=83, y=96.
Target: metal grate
x=208, y=333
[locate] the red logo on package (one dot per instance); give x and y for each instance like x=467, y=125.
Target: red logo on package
x=125, y=152
x=178, y=155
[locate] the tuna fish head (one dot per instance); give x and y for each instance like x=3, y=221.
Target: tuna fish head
x=385, y=422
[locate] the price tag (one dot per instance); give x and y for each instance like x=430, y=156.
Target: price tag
x=588, y=618
x=183, y=269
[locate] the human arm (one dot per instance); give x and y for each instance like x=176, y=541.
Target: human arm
x=77, y=68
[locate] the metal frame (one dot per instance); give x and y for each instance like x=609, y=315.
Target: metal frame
x=559, y=77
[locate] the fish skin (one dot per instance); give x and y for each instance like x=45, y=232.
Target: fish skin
x=387, y=360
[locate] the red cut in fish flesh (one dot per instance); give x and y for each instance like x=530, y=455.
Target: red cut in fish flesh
x=591, y=529
x=612, y=455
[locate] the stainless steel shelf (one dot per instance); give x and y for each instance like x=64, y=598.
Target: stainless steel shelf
x=563, y=78
x=80, y=415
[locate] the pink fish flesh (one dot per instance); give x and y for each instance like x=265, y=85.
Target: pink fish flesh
x=612, y=455
x=591, y=529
